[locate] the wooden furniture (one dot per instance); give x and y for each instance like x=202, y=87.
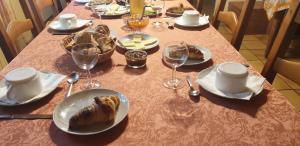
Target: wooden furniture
x=275, y=64
x=258, y=22
x=157, y=115
x=197, y=4
x=6, y=46
x=41, y=5
x=15, y=28
x=61, y=4
x=236, y=25
x=276, y=10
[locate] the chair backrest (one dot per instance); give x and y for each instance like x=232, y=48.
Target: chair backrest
x=236, y=24
x=61, y=4
x=15, y=28
x=40, y=7
x=197, y=4
x=275, y=64
x=6, y=45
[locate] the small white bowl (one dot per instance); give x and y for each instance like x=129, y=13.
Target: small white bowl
x=191, y=17
x=23, y=84
x=231, y=77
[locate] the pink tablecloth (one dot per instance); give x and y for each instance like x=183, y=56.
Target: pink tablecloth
x=157, y=116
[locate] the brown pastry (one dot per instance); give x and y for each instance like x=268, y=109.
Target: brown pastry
x=195, y=53
x=103, y=29
x=102, y=110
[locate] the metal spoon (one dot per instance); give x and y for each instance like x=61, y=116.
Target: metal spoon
x=74, y=77
x=192, y=91
x=170, y=26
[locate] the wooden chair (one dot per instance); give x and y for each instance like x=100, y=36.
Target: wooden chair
x=197, y=4
x=40, y=7
x=61, y=4
x=236, y=25
x=6, y=46
x=15, y=28
x=275, y=63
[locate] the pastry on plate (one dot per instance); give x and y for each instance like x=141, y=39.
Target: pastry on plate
x=195, y=53
x=103, y=110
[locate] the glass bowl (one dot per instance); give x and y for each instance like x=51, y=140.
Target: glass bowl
x=135, y=21
x=136, y=58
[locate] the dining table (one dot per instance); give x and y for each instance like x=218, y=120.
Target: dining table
x=157, y=115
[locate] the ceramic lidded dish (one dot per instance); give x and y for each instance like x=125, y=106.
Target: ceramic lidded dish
x=231, y=77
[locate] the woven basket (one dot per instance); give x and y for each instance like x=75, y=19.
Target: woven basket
x=101, y=57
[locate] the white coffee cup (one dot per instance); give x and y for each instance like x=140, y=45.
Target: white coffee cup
x=23, y=84
x=68, y=20
x=190, y=17
x=231, y=77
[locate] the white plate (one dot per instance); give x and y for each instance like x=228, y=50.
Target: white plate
x=206, y=54
x=82, y=1
x=145, y=36
x=63, y=112
x=50, y=82
x=121, y=10
x=56, y=25
x=208, y=76
x=203, y=20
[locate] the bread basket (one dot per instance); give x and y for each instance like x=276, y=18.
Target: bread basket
x=67, y=42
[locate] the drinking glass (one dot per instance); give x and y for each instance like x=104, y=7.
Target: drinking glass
x=85, y=56
x=157, y=6
x=175, y=55
x=99, y=10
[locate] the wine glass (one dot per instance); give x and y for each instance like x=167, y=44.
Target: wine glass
x=157, y=6
x=85, y=56
x=175, y=55
x=97, y=9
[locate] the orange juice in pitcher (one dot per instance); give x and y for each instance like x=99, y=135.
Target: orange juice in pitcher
x=136, y=7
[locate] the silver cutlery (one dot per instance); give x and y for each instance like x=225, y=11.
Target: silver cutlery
x=74, y=77
x=61, y=33
x=26, y=116
x=170, y=26
x=192, y=91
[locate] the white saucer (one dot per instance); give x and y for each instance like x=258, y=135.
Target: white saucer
x=49, y=81
x=56, y=25
x=206, y=55
x=82, y=1
x=203, y=20
x=206, y=78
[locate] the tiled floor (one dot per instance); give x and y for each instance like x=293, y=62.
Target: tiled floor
x=253, y=49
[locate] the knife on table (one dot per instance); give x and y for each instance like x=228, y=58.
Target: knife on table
x=26, y=116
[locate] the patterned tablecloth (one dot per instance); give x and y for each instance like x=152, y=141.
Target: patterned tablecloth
x=272, y=6
x=157, y=116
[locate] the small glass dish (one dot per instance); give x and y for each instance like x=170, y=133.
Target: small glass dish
x=136, y=58
x=135, y=22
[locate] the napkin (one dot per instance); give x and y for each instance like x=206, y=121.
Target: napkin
x=254, y=85
x=49, y=82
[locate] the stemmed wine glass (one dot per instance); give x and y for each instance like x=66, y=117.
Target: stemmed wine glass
x=85, y=56
x=175, y=55
x=158, y=6
x=97, y=9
